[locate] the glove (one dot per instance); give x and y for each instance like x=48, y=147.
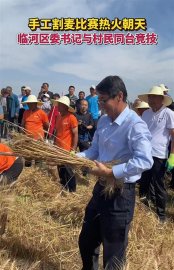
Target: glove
x=72, y=153
x=170, y=163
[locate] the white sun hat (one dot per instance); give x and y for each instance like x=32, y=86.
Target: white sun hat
x=64, y=100
x=158, y=91
x=165, y=89
x=142, y=105
x=32, y=99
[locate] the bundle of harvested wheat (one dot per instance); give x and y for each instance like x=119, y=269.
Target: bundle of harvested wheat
x=30, y=149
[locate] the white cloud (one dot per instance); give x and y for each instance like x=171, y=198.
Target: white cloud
x=140, y=66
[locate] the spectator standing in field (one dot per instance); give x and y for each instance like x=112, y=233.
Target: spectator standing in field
x=52, y=116
x=21, y=109
x=12, y=106
x=160, y=121
x=171, y=106
x=141, y=107
x=81, y=97
x=46, y=107
x=85, y=124
x=45, y=90
x=3, y=102
x=66, y=138
x=93, y=107
x=72, y=97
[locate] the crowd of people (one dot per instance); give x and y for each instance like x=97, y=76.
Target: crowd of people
x=103, y=128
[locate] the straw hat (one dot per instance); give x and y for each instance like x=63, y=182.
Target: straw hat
x=142, y=105
x=64, y=100
x=32, y=99
x=158, y=91
x=165, y=89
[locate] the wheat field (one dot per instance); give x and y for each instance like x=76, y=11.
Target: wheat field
x=40, y=224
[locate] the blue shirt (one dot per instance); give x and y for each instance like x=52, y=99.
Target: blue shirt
x=93, y=107
x=25, y=106
x=127, y=140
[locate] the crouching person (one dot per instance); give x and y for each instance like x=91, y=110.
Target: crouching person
x=10, y=166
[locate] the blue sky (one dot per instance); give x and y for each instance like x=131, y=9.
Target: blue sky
x=140, y=66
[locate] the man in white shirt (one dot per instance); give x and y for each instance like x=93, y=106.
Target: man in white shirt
x=160, y=121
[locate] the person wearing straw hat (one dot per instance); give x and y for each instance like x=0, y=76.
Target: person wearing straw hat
x=160, y=121
x=66, y=138
x=171, y=106
x=34, y=120
x=141, y=107
x=122, y=136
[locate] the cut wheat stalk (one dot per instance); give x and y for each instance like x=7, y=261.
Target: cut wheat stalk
x=31, y=149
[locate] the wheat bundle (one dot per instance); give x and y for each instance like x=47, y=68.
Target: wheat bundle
x=30, y=149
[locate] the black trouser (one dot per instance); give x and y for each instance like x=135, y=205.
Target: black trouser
x=172, y=180
x=152, y=186
x=107, y=221
x=10, y=175
x=92, y=131
x=67, y=178
x=21, y=112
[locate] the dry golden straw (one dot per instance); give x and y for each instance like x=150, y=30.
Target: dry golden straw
x=30, y=149
x=43, y=228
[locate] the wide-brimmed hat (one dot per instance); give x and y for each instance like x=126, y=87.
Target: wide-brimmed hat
x=33, y=99
x=64, y=100
x=165, y=89
x=142, y=105
x=158, y=91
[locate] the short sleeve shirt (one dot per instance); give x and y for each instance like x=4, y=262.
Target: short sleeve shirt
x=159, y=123
x=5, y=161
x=33, y=123
x=64, y=126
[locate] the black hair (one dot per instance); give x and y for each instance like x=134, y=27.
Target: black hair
x=112, y=85
x=71, y=86
x=46, y=84
x=9, y=87
x=56, y=95
x=82, y=92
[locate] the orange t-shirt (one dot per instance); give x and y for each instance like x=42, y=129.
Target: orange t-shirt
x=64, y=126
x=6, y=161
x=33, y=123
